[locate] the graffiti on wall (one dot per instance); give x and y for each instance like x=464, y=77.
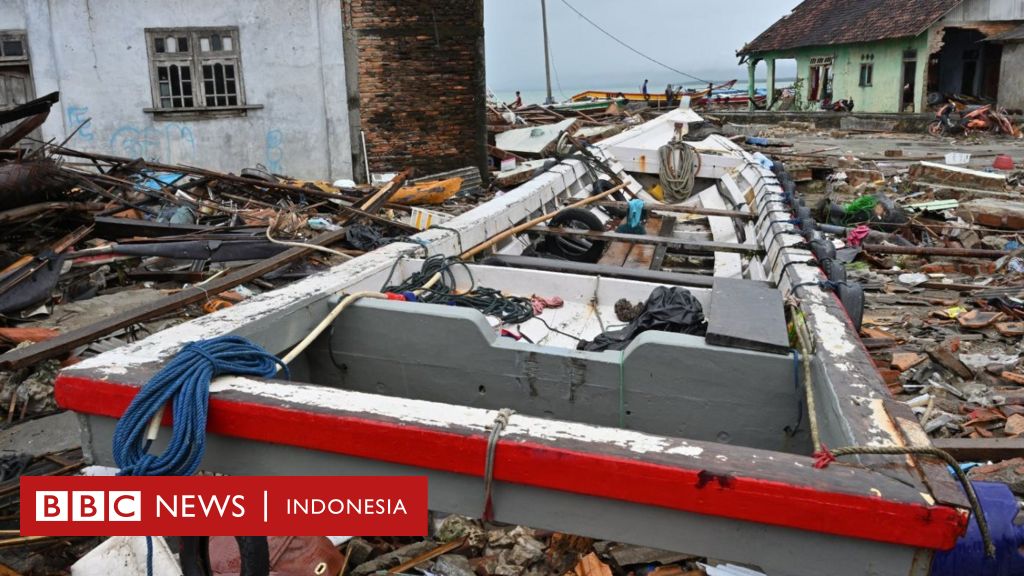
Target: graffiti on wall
x=168, y=143
x=275, y=151
x=77, y=116
x=165, y=142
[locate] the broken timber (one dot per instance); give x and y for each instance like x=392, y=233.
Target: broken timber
x=934, y=251
x=677, y=243
x=981, y=449
x=68, y=341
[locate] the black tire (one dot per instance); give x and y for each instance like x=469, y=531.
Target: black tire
x=575, y=249
x=935, y=128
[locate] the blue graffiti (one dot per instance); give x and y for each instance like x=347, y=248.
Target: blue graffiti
x=171, y=143
x=77, y=116
x=275, y=151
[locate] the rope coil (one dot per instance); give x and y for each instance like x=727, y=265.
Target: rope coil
x=677, y=170
x=185, y=380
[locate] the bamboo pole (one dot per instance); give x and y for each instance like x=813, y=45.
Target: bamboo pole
x=538, y=220
x=671, y=209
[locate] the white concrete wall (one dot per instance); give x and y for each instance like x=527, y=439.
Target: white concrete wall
x=292, y=63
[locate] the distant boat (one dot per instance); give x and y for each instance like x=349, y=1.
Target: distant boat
x=721, y=95
x=597, y=104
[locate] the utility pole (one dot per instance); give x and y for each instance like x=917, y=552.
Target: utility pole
x=547, y=60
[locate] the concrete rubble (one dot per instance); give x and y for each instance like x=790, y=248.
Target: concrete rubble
x=945, y=289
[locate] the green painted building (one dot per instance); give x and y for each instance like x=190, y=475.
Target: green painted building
x=888, y=55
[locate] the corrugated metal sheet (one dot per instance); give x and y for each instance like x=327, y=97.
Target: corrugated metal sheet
x=986, y=11
x=828, y=22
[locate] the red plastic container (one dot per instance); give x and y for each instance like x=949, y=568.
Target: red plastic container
x=1003, y=162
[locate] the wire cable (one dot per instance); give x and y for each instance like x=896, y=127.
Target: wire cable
x=630, y=48
x=435, y=284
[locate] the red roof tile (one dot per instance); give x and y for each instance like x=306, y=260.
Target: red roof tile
x=827, y=22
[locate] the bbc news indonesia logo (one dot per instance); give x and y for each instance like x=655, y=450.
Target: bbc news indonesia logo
x=223, y=506
x=88, y=506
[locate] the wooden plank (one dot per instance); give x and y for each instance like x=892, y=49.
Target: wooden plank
x=631, y=254
x=668, y=226
x=374, y=202
x=279, y=186
x=565, y=266
x=934, y=471
x=722, y=230
x=981, y=449
x=129, y=227
x=22, y=357
x=677, y=243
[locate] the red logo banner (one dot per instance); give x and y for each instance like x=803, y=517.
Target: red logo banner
x=223, y=505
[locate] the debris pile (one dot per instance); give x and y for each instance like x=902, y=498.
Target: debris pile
x=467, y=547
x=938, y=250
x=113, y=249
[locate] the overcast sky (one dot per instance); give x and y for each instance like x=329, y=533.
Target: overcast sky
x=697, y=37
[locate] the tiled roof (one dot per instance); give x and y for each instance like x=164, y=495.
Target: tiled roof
x=827, y=22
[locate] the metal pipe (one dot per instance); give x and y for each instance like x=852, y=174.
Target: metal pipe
x=934, y=251
x=873, y=236
x=547, y=59
x=366, y=159
x=669, y=208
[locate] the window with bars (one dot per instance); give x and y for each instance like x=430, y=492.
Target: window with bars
x=195, y=69
x=13, y=46
x=867, y=74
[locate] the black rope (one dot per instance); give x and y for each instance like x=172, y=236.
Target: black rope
x=767, y=213
x=458, y=234
x=761, y=202
x=767, y=241
x=490, y=302
x=826, y=285
x=785, y=267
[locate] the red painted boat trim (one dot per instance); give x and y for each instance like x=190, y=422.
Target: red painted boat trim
x=550, y=467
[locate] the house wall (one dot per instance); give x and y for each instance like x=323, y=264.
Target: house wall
x=886, y=91
x=291, y=62
x=990, y=18
x=422, y=90
x=1011, y=89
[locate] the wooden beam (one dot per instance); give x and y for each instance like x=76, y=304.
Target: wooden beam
x=538, y=220
x=655, y=207
x=279, y=186
x=679, y=244
x=668, y=226
x=981, y=449
x=22, y=357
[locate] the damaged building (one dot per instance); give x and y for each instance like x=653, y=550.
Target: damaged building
x=889, y=55
x=301, y=88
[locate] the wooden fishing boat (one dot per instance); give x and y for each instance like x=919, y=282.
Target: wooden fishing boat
x=596, y=104
x=720, y=96
x=697, y=443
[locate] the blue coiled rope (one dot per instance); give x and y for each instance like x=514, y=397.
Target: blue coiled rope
x=185, y=379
